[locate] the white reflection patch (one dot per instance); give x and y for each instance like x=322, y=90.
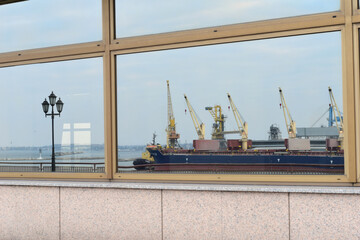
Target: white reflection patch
x=82, y=125
x=82, y=138
x=66, y=140
x=66, y=126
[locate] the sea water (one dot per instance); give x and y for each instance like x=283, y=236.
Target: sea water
x=43, y=155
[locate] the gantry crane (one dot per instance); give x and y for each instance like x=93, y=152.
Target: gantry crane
x=218, y=126
x=199, y=126
x=337, y=118
x=171, y=136
x=290, y=123
x=242, y=124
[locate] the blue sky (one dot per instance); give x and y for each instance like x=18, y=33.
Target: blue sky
x=304, y=66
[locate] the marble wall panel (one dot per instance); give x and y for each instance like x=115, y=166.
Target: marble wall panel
x=112, y=213
x=225, y=215
x=89, y=213
x=192, y=215
x=29, y=212
x=324, y=216
x=248, y=215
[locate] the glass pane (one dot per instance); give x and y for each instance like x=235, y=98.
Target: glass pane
x=134, y=18
x=42, y=23
x=26, y=134
x=251, y=72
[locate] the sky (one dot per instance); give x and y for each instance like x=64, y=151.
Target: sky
x=23, y=88
x=43, y=23
x=304, y=66
x=142, y=17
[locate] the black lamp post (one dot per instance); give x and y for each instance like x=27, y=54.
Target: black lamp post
x=59, y=106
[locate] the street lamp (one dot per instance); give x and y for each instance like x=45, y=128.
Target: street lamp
x=59, y=106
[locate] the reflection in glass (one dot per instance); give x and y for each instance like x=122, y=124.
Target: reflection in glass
x=42, y=23
x=59, y=106
x=233, y=117
x=134, y=18
x=26, y=142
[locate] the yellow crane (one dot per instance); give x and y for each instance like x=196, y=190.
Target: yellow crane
x=242, y=124
x=219, y=118
x=171, y=136
x=290, y=123
x=199, y=126
x=337, y=118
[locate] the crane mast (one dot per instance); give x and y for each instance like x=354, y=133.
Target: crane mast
x=290, y=124
x=241, y=123
x=199, y=126
x=218, y=126
x=337, y=118
x=171, y=136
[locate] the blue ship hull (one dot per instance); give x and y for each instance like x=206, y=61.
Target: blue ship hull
x=246, y=161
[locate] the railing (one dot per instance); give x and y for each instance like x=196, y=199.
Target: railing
x=87, y=167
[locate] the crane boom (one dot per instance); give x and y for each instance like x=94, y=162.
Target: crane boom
x=337, y=117
x=171, y=136
x=290, y=123
x=242, y=124
x=199, y=126
x=171, y=118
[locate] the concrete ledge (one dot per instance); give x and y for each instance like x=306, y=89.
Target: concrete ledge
x=184, y=186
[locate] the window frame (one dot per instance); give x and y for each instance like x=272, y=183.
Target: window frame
x=348, y=111
x=346, y=20
x=357, y=94
x=106, y=147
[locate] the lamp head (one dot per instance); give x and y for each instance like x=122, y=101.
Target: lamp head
x=45, y=106
x=52, y=99
x=59, y=105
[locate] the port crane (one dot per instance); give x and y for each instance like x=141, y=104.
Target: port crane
x=290, y=123
x=171, y=136
x=218, y=126
x=242, y=124
x=337, y=118
x=198, y=124
x=332, y=119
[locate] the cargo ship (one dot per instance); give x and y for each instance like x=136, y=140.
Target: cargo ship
x=239, y=155
x=233, y=159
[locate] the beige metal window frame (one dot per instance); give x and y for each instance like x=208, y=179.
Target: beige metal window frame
x=355, y=6
x=356, y=12
x=357, y=94
x=343, y=20
x=348, y=111
x=107, y=151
